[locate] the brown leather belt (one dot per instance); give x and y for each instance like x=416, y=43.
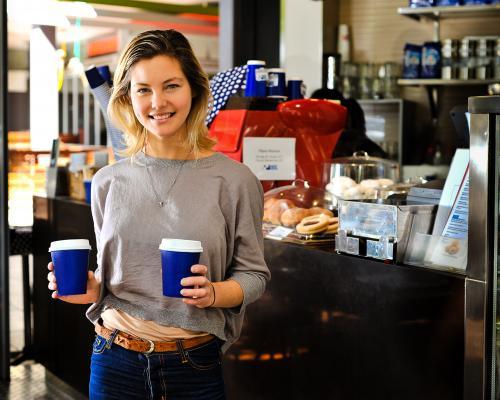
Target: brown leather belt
x=147, y=346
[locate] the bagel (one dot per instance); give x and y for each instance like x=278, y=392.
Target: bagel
x=293, y=216
x=275, y=211
x=313, y=224
x=269, y=203
x=332, y=228
x=320, y=210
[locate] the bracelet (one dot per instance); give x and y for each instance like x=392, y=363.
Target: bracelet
x=213, y=291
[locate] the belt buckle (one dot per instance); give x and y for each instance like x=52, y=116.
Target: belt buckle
x=151, y=346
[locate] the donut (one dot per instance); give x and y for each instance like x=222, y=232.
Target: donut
x=319, y=210
x=313, y=224
x=293, y=216
x=274, y=213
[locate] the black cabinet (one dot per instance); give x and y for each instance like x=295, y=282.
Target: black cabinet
x=328, y=326
x=62, y=333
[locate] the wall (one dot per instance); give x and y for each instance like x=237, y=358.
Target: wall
x=379, y=33
x=301, y=41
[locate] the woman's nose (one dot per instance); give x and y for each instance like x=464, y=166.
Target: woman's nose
x=158, y=100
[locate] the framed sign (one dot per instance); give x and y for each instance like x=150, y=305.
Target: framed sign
x=270, y=159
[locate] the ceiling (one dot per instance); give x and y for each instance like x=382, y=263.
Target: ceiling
x=188, y=16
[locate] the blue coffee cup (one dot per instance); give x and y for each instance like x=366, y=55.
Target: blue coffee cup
x=295, y=89
x=177, y=258
x=71, y=260
x=256, y=79
x=88, y=188
x=105, y=73
x=276, y=83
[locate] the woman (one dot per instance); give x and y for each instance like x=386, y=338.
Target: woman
x=172, y=186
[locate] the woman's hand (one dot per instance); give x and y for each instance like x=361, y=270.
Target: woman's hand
x=203, y=294
x=93, y=289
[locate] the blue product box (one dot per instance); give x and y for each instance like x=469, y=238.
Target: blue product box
x=476, y=2
x=412, y=61
x=421, y=3
x=444, y=3
x=431, y=60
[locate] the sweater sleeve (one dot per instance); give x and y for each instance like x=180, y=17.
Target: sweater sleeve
x=99, y=190
x=248, y=266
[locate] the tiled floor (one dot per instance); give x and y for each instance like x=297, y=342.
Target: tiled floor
x=29, y=381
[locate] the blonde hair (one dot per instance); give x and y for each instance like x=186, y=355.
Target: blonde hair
x=147, y=45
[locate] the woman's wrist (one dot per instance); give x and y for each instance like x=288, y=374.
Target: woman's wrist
x=213, y=294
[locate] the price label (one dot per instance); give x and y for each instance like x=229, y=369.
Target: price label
x=280, y=232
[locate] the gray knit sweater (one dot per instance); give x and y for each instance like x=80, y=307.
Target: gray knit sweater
x=214, y=200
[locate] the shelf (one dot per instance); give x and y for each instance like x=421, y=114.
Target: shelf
x=437, y=13
x=446, y=82
x=379, y=101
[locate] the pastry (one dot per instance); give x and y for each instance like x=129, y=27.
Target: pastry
x=313, y=224
x=340, y=184
x=293, y=216
x=269, y=203
x=275, y=211
x=354, y=192
x=319, y=210
x=385, y=182
x=369, y=183
x=453, y=248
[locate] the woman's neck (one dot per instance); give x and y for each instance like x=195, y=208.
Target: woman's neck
x=172, y=150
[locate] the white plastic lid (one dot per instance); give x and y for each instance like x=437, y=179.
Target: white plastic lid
x=70, y=244
x=188, y=246
x=256, y=62
x=276, y=70
x=294, y=78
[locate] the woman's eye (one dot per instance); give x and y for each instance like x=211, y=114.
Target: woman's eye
x=172, y=86
x=142, y=90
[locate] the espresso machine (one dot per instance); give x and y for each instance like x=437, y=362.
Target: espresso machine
x=315, y=124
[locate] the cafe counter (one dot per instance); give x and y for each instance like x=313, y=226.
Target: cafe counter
x=328, y=325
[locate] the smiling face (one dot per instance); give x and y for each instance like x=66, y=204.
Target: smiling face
x=161, y=97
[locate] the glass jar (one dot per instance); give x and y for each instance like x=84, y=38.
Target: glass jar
x=484, y=58
x=449, y=69
x=467, y=58
x=497, y=59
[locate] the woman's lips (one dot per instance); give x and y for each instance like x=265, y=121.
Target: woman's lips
x=162, y=116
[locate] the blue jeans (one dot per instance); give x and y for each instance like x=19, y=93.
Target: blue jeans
x=118, y=373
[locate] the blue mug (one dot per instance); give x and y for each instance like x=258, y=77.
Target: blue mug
x=295, y=89
x=276, y=83
x=256, y=79
x=177, y=258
